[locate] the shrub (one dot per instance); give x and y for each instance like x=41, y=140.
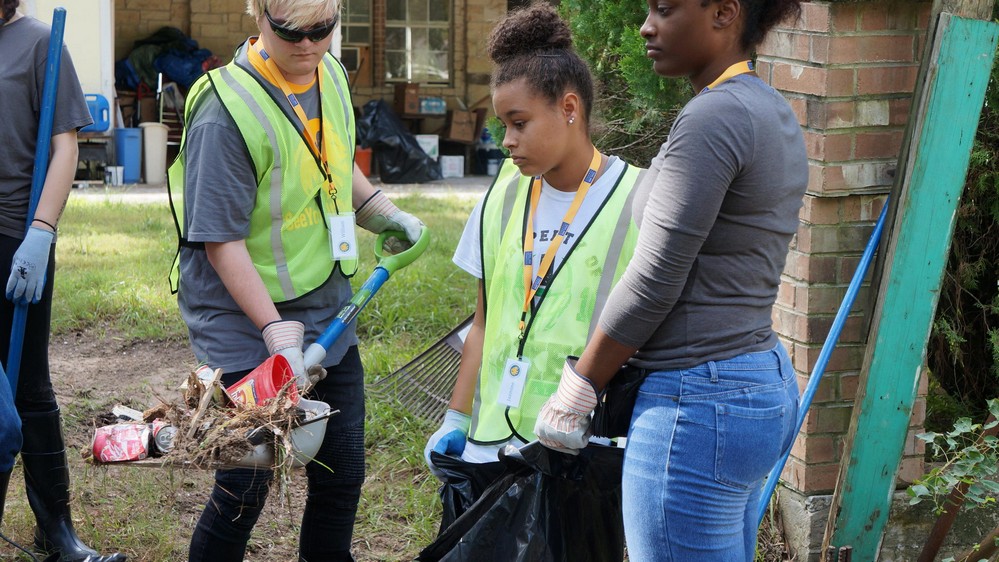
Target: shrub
x=634, y=107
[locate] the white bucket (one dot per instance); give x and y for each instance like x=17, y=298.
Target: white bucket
x=305, y=439
x=154, y=148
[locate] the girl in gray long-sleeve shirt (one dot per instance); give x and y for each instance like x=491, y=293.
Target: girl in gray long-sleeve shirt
x=719, y=208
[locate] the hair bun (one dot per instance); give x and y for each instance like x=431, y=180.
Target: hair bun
x=537, y=28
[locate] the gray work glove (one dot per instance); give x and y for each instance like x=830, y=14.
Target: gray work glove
x=285, y=338
x=379, y=214
x=27, y=270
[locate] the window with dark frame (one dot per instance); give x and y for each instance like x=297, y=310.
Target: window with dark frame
x=417, y=44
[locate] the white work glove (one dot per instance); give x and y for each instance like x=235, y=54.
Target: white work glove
x=379, y=214
x=564, y=421
x=449, y=439
x=27, y=270
x=285, y=338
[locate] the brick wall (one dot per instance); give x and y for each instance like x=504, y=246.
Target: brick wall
x=137, y=19
x=849, y=70
x=221, y=25
x=217, y=25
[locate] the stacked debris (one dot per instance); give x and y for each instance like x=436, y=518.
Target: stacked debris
x=208, y=430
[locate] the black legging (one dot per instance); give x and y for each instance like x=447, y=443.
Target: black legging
x=334, y=482
x=34, y=386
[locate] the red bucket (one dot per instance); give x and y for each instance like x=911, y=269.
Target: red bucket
x=264, y=383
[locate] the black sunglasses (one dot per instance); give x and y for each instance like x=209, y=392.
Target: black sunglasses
x=316, y=34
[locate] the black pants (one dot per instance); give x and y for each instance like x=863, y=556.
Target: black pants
x=34, y=387
x=334, y=482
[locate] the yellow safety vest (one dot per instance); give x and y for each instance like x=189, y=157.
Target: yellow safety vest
x=288, y=240
x=566, y=314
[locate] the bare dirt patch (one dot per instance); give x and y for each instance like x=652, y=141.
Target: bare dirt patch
x=90, y=372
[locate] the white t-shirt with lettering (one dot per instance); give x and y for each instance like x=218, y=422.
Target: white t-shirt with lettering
x=552, y=207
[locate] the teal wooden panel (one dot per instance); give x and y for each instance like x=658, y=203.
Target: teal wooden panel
x=915, y=266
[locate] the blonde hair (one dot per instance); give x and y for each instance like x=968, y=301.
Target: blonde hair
x=298, y=14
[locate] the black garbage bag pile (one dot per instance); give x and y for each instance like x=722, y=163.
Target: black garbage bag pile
x=545, y=506
x=398, y=156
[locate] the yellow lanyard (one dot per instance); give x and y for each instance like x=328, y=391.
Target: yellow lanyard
x=271, y=72
x=742, y=67
x=531, y=287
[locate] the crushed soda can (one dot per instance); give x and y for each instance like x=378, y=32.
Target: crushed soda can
x=121, y=442
x=163, y=434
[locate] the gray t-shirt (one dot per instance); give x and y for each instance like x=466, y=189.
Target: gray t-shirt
x=24, y=45
x=719, y=207
x=219, y=193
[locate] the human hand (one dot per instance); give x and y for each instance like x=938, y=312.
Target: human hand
x=27, y=271
x=315, y=373
x=564, y=421
x=379, y=214
x=285, y=338
x=449, y=439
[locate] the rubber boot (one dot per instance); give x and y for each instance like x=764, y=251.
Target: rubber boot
x=46, y=479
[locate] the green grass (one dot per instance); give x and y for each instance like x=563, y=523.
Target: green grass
x=113, y=261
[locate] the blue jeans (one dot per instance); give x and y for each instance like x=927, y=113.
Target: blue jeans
x=10, y=428
x=334, y=482
x=701, y=442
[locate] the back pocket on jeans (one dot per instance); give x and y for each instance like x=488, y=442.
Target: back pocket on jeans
x=750, y=441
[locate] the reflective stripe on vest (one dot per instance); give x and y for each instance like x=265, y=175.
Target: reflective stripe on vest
x=288, y=239
x=566, y=314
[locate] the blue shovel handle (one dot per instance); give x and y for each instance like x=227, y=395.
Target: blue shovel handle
x=38, y=179
x=387, y=265
x=820, y=364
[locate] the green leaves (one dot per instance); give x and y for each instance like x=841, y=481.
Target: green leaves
x=970, y=464
x=634, y=106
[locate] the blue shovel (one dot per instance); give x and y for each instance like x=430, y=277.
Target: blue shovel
x=820, y=364
x=38, y=180
x=387, y=265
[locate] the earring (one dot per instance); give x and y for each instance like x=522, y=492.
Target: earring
x=572, y=120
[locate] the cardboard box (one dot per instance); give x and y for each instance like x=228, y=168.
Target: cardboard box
x=430, y=144
x=407, y=99
x=452, y=166
x=460, y=126
x=432, y=105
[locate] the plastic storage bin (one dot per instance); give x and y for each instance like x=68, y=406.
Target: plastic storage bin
x=128, y=152
x=100, y=111
x=362, y=156
x=154, y=152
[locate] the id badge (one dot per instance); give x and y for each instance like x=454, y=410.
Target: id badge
x=512, y=386
x=343, y=238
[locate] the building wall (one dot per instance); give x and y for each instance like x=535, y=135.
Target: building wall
x=848, y=70
x=217, y=25
x=221, y=25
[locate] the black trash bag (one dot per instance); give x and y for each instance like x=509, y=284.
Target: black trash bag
x=398, y=156
x=546, y=507
x=464, y=484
